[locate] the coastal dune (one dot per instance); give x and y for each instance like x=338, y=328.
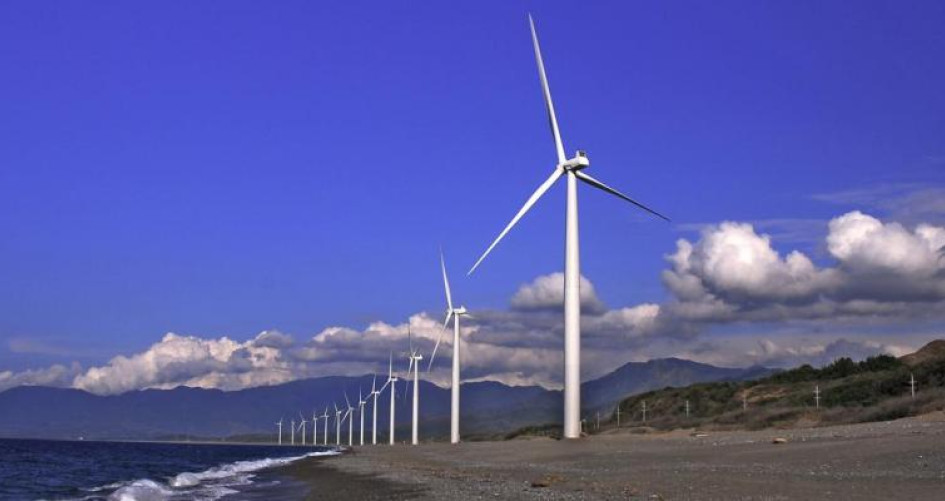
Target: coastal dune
x=902, y=459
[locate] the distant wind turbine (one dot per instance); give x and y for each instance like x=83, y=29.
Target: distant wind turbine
x=392, y=381
x=293, y=432
x=325, y=427
x=415, y=359
x=279, y=424
x=912, y=383
x=350, y=417
x=374, y=393
x=455, y=313
x=361, y=402
x=573, y=169
x=302, y=427
x=337, y=425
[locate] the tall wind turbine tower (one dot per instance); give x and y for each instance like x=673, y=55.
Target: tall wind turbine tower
x=392, y=381
x=361, y=402
x=279, y=424
x=573, y=169
x=337, y=425
x=455, y=313
x=325, y=427
x=293, y=431
x=415, y=358
x=374, y=393
x=350, y=417
x=302, y=427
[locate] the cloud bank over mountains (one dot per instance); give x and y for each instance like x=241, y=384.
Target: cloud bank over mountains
x=878, y=273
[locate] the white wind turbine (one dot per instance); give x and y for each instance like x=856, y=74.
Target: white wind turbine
x=361, y=402
x=325, y=427
x=455, y=313
x=302, y=427
x=349, y=415
x=415, y=358
x=293, y=431
x=314, y=427
x=374, y=393
x=573, y=169
x=337, y=425
x=279, y=424
x=392, y=381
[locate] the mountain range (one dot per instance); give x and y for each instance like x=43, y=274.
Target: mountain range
x=488, y=408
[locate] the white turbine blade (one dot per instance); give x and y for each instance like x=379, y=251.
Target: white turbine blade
x=384, y=387
x=390, y=372
x=601, y=186
x=374, y=384
x=439, y=339
x=347, y=401
x=446, y=282
x=546, y=90
x=528, y=205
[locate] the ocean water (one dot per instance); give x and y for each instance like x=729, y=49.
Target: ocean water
x=125, y=471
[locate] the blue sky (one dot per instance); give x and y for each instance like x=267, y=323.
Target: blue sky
x=223, y=168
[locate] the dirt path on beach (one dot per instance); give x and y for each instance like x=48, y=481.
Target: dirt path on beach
x=903, y=459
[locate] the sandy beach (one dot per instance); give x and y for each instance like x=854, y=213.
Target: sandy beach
x=902, y=459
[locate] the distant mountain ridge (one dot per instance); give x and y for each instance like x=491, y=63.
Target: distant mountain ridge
x=487, y=407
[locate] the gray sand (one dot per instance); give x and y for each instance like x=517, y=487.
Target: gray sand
x=903, y=459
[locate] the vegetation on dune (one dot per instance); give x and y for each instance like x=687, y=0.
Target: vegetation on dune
x=875, y=389
x=871, y=390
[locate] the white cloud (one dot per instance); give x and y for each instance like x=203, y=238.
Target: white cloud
x=57, y=375
x=730, y=276
x=547, y=293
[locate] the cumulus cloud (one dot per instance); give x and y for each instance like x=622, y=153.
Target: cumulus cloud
x=58, y=375
x=547, y=293
x=732, y=275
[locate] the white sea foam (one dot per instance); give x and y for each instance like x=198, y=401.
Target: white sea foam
x=209, y=484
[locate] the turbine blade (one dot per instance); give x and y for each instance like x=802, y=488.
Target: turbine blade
x=601, y=186
x=528, y=205
x=446, y=282
x=440, y=338
x=546, y=90
x=374, y=383
x=390, y=373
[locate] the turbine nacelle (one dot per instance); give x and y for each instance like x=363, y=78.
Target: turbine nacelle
x=578, y=162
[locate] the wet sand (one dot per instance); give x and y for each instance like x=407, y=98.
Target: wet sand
x=903, y=459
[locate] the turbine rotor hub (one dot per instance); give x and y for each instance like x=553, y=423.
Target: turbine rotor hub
x=578, y=162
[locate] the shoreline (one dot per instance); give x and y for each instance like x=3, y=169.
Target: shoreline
x=902, y=459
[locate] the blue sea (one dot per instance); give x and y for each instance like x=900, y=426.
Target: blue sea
x=48, y=469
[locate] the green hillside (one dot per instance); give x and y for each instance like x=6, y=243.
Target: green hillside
x=875, y=389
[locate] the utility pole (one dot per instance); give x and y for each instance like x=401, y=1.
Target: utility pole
x=912, y=384
x=817, y=396
x=687, y=409
x=644, y=411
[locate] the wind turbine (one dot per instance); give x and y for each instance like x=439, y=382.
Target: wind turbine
x=350, y=417
x=325, y=427
x=415, y=358
x=392, y=381
x=293, y=432
x=455, y=313
x=314, y=427
x=302, y=426
x=374, y=393
x=361, y=402
x=279, y=424
x=573, y=169
x=337, y=425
